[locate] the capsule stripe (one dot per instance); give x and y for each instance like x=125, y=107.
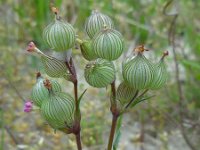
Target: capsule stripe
x=87, y=51
x=39, y=92
x=59, y=36
x=125, y=93
x=160, y=76
x=59, y=110
x=96, y=22
x=108, y=44
x=138, y=72
x=100, y=73
x=53, y=67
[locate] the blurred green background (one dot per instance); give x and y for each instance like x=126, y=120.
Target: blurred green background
x=153, y=125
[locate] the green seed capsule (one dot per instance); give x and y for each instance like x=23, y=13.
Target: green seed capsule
x=138, y=72
x=58, y=111
x=125, y=93
x=108, y=44
x=96, y=22
x=99, y=73
x=87, y=51
x=160, y=74
x=59, y=36
x=54, y=67
x=39, y=93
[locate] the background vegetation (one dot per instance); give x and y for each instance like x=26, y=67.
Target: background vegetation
x=170, y=120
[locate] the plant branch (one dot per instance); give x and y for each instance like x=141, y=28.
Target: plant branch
x=76, y=129
x=14, y=88
x=15, y=140
x=132, y=99
x=72, y=70
x=136, y=96
x=171, y=40
x=142, y=94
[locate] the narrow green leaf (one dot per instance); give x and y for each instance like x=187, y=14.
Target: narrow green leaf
x=117, y=133
x=138, y=100
x=80, y=98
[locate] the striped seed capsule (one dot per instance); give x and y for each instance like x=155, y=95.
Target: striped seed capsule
x=58, y=111
x=40, y=93
x=160, y=74
x=87, y=51
x=138, y=72
x=108, y=44
x=59, y=35
x=53, y=67
x=96, y=22
x=125, y=93
x=99, y=73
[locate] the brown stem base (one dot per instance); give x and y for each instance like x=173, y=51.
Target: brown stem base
x=78, y=141
x=112, y=131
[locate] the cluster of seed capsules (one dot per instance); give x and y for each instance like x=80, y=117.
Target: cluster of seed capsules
x=104, y=45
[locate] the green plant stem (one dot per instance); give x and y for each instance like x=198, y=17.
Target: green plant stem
x=112, y=131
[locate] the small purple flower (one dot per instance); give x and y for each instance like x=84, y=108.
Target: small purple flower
x=28, y=106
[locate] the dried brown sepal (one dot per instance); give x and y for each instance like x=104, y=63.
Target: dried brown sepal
x=140, y=48
x=38, y=74
x=54, y=10
x=165, y=53
x=47, y=84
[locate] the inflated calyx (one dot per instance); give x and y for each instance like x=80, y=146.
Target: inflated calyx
x=138, y=72
x=99, y=73
x=96, y=22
